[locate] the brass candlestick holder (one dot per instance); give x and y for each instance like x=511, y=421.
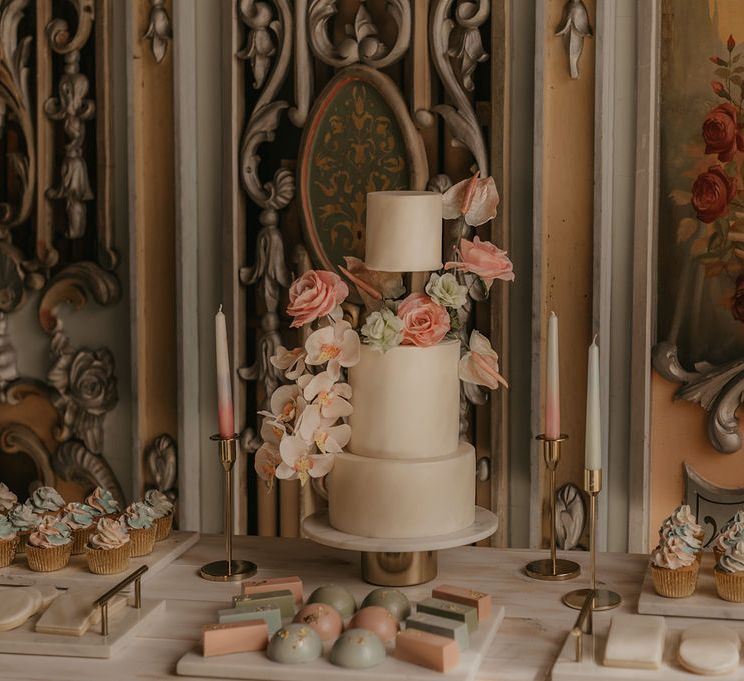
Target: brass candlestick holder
x=604, y=599
x=553, y=568
x=228, y=570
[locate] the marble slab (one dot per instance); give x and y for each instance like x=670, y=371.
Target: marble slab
x=703, y=603
x=318, y=528
x=257, y=667
x=123, y=627
x=76, y=571
x=590, y=668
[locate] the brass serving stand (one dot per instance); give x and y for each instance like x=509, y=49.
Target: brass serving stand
x=103, y=601
x=602, y=599
x=553, y=568
x=227, y=570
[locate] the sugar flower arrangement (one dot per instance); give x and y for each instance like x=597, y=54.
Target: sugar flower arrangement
x=305, y=425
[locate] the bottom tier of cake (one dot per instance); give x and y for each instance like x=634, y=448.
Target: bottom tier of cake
x=402, y=498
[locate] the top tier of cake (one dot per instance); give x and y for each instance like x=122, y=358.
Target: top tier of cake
x=406, y=402
x=404, y=231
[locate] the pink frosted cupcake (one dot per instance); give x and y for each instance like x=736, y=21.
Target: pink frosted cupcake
x=140, y=522
x=674, y=567
x=82, y=520
x=163, y=510
x=729, y=573
x=49, y=546
x=103, y=502
x=109, y=548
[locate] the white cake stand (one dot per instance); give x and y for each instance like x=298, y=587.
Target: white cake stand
x=398, y=562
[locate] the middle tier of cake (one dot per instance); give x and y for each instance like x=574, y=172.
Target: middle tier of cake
x=402, y=498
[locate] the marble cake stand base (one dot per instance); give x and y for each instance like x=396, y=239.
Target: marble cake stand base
x=398, y=562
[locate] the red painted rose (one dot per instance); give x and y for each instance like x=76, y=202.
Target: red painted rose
x=737, y=302
x=712, y=192
x=721, y=132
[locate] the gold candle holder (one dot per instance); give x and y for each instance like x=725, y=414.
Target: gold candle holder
x=553, y=568
x=228, y=570
x=603, y=599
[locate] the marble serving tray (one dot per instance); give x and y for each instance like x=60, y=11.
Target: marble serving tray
x=123, y=627
x=77, y=570
x=566, y=668
x=257, y=667
x=703, y=603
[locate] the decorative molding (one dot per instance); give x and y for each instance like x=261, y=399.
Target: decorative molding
x=161, y=458
x=159, y=31
x=16, y=438
x=457, y=41
x=363, y=43
x=570, y=516
x=61, y=39
x=263, y=34
x=712, y=505
x=74, y=463
x=574, y=27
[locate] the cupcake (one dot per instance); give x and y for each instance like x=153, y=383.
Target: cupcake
x=674, y=568
x=25, y=520
x=683, y=517
x=163, y=508
x=109, y=547
x=46, y=501
x=8, y=541
x=730, y=534
x=140, y=521
x=729, y=573
x=103, y=502
x=49, y=545
x=82, y=521
x=8, y=500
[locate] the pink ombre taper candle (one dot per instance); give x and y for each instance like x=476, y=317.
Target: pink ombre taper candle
x=225, y=412
x=553, y=392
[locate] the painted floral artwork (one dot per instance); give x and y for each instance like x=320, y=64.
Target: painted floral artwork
x=701, y=210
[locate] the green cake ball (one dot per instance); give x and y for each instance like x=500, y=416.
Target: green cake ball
x=396, y=602
x=336, y=596
x=293, y=644
x=357, y=649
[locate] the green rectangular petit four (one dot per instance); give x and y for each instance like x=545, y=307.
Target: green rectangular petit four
x=268, y=613
x=450, y=610
x=284, y=600
x=439, y=626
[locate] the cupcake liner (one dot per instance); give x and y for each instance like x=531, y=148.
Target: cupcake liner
x=730, y=585
x=7, y=551
x=22, y=542
x=80, y=538
x=108, y=561
x=678, y=583
x=163, y=525
x=142, y=540
x=41, y=559
x=717, y=553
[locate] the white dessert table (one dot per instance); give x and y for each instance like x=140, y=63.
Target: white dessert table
x=528, y=642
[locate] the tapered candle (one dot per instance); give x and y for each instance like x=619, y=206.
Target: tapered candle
x=593, y=443
x=224, y=389
x=553, y=393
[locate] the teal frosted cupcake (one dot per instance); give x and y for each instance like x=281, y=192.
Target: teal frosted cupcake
x=25, y=520
x=46, y=501
x=729, y=574
x=163, y=508
x=109, y=547
x=8, y=500
x=49, y=546
x=8, y=541
x=140, y=521
x=82, y=520
x=103, y=502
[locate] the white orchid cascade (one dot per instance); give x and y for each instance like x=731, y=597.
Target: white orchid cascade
x=306, y=423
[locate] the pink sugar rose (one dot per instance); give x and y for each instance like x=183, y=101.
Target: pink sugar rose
x=315, y=294
x=425, y=322
x=484, y=259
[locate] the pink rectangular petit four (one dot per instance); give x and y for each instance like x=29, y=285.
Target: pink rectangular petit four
x=293, y=584
x=457, y=594
x=427, y=650
x=234, y=637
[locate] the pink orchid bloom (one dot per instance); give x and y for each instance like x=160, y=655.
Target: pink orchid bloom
x=328, y=438
x=337, y=344
x=291, y=362
x=286, y=404
x=474, y=199
x=332, y=397
x=480, y=365
x=266, y=462
x=299, y=461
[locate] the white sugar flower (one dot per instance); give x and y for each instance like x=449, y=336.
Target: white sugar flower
x=286, y=404
x=266, y=462
x=328, y=438
x=480, y=365
x=332, y=397
x=272, y=430
x=474, y=199
x=291, y=362
x=445, y=290
x=337, y=344
x=383, y=330
x=300, y=461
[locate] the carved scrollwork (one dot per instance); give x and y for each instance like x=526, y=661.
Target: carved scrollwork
x=73, y=108
x=159, y=31
x=717, y=389
x=363, y=43
x=62, y=40
x=161, y=457
x=574, y=27
x=15, y=438
x=262, y=36
x=74, y=463
x=456, y=49
x=16, y=109
x=570, y=516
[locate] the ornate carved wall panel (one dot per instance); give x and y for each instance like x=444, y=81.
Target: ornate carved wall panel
x=422, y=70
x=56, y=237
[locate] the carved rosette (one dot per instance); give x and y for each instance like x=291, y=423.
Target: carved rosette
x=159, y=31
